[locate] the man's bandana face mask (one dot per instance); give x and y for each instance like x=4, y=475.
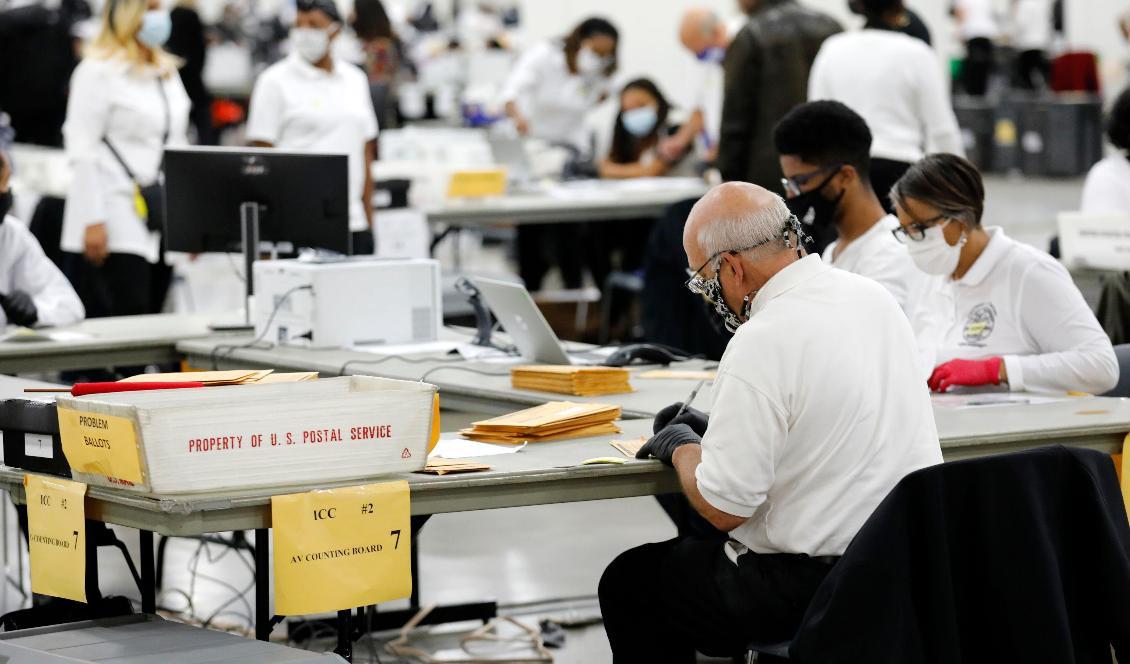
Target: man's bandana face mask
x=711, y=289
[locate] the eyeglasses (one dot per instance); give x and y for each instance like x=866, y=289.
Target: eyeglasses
x=793, y=186
x=916, y=231
x=697, y=283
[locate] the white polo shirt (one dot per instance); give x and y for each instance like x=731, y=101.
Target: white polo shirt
x=1019, y=303
x=819, y=410
x=878, y=255
x=297, y=106
x=1107, y=188
x=24, y=267
x=895, y=83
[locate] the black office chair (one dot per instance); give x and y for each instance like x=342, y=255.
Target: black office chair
x=1123, y=387
x=1016, y=557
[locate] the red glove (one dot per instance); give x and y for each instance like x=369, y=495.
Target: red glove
x=970, y=373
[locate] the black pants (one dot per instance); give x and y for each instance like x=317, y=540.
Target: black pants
x=884, y=174
x=121, y=286
x=978, y=66
x=364, y=244
x=616, y=245
x=1032, y=72
x=542, y=245
x=662, y=602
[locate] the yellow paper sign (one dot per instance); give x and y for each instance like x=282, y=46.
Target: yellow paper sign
x=56, y=519
x=100, y=445
x=477, y=184
x=340, y=548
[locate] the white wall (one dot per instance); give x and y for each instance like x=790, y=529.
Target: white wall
x=650, y=45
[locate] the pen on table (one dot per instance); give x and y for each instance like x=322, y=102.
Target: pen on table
x=690, y=399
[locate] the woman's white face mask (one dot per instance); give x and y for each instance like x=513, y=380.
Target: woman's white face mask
x=932, y=254
x=589, y=62
x=310, y=44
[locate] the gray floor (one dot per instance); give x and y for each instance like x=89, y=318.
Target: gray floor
x=519, y=557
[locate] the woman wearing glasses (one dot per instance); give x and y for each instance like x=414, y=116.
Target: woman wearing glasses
x=1015, y=316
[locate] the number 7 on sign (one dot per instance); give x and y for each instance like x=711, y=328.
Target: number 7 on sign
x=397, y=533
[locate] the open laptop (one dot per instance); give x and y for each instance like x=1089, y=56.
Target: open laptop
x=525, y=324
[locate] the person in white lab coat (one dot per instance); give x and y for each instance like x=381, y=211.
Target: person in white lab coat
x=978, y=26
x=1016, y=317
x=1107, y=188
x=825, y=149
x=313, y=101
x=33, y=292
x=895, y=82
x=705, y=35
x=126, y=98
x=555, y=84
x=1031, y=33
x=548, y=94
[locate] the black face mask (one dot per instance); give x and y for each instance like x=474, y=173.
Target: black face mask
x=813, y=209
x=5, y=204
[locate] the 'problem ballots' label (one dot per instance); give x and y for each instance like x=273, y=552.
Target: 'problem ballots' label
x=100, y=445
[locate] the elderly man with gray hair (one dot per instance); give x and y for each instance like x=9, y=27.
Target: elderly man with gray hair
x=818, y=410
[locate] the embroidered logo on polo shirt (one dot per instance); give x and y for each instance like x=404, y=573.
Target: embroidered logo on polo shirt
x=979, y=325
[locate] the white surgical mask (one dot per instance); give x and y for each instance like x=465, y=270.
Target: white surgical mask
x=589, y=62
x=310, y=44
x=639, y=121
x=932, y=254
x=156, y=26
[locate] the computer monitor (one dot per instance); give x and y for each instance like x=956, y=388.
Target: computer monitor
x=300, y=198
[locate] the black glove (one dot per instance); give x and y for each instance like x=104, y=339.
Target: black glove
x=691, y=416
x=19, y=308
x=662, y=445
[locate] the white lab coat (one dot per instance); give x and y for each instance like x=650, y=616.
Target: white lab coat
x=979, y=20
x=24, y=267
x=553, y=100
x=1032, y=25
x=119, y=101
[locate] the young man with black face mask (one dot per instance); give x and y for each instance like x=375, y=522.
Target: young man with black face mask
x=33, y=292
x=824, y=149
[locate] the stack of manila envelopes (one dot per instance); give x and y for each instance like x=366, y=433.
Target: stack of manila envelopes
x=556, y=420
x=572, y=380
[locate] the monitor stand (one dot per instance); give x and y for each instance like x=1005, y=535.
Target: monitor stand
x=249, y=221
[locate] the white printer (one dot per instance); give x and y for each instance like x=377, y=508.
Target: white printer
x=347, y=302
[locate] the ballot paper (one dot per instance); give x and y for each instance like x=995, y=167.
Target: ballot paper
x=439, y=466
x=673, y=374
x=209, y=378
x=28, y=335
x=991, y=400
x=573, y=380
x=459, y=448
x=629, y=448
